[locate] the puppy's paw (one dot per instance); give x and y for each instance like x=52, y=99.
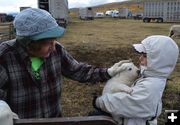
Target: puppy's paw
x=128, y=90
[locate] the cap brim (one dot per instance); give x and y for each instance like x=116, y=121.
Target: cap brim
x=52, y=33
x=139, y=48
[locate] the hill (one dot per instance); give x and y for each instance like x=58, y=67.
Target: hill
x=134, y=6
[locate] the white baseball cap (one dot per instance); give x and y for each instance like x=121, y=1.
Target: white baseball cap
x=139, y=48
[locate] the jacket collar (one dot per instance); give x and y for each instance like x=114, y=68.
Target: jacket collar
x=19, y=49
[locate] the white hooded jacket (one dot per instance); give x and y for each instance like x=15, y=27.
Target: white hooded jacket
x=145, y=101
x=6, y=115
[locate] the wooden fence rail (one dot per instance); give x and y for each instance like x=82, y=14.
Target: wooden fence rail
x=87, y=120
x=6, y=31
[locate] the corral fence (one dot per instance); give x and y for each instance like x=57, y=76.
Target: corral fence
x=6, y=31
x=86, y=120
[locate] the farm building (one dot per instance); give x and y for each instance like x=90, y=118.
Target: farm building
x=3, y=17
x=58, y=8
x=86, y=13
x=161, y=10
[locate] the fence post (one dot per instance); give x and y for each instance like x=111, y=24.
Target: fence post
x=11, y=31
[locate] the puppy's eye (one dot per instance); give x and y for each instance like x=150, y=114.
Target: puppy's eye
x=130, y=69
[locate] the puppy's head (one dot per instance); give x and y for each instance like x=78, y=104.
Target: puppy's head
x=129, y=71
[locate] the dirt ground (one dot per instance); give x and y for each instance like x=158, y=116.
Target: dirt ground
x=102, y=42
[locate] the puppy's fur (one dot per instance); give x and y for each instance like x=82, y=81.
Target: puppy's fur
x=122, y=81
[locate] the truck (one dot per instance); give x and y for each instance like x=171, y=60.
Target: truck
x=161, y=11
x=58, y=9
x=123, y=12
x=86, y=13
x=99, y=15
x=109, y=12
x=115, y=14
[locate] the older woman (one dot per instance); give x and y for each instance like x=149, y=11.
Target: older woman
x=32, y=67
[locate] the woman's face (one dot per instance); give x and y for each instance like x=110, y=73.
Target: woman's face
x=45, y=47
x=143, y=59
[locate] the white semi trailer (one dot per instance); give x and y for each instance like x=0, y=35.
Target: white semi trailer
x=161, y=10
x=123, y=12
x=86, y=13
x=58, y=9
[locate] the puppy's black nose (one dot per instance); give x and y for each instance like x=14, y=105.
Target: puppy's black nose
x=138, y=71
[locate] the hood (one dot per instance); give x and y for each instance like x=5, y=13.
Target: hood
x=162, y=55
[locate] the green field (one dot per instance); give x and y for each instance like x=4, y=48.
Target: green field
x=102, y=42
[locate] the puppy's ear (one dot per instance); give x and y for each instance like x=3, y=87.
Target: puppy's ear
x=123, y=61
x=122, y=68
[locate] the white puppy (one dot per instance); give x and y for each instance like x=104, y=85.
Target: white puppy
x=122, y=81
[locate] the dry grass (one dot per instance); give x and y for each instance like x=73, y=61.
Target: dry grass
x=102, y=42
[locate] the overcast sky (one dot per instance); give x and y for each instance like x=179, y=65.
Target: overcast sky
x=7, y=6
